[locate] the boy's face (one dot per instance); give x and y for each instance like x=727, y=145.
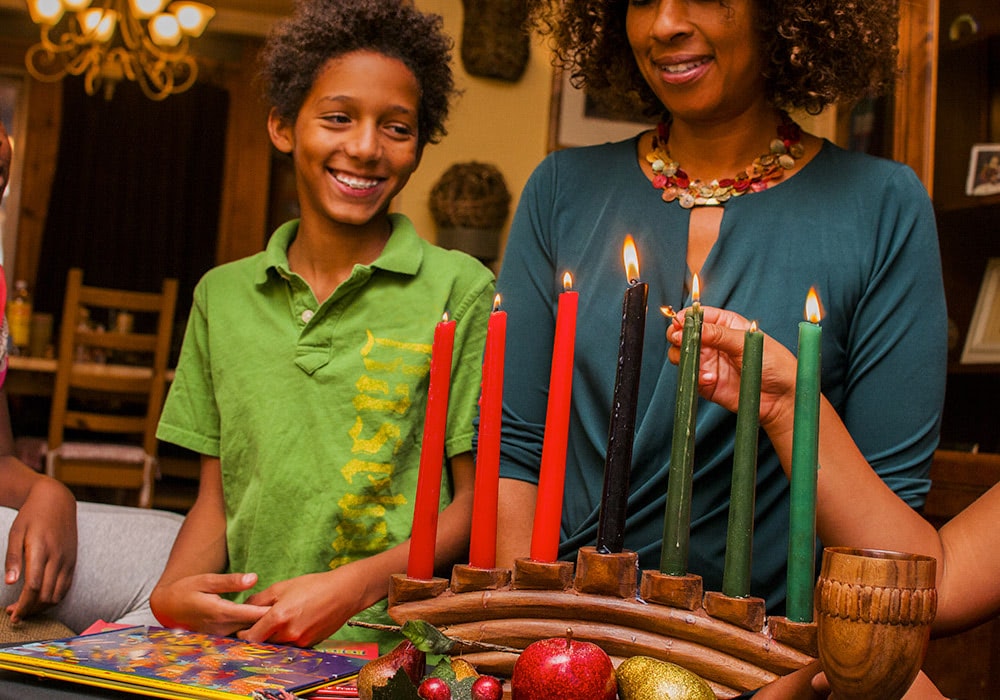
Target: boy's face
x=354, y=141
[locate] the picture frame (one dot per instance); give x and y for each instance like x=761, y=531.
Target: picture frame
x=982, y=343
x=576, y=121
x=984, y=170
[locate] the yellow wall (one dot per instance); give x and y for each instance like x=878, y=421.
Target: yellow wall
x=494, y=121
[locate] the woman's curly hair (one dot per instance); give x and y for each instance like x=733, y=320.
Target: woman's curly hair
x=814, y=52
x=299, y=46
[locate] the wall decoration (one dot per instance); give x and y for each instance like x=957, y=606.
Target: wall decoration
x=982, y=344
x=495, y=43
x=984, y=170
x=576, y=121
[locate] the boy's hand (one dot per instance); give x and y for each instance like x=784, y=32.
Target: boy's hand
x=196, y=603
x=305, y=610
x=41, y=548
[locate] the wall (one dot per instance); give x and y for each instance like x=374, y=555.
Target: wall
x=498, y=122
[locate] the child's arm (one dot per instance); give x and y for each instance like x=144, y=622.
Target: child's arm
x=41, y=544
x=307, y=609
x=515, y=520
x=188, y=592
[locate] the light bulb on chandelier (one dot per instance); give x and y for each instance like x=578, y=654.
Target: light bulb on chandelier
x=111, y=40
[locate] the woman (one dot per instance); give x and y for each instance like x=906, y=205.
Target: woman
x=859, y=229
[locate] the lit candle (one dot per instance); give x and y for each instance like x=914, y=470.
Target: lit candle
x=621, y=432
x=739, y=538
x=420, y=564
x=677, y=520
x=483, y=542
x=805, y=461
x=552, y=474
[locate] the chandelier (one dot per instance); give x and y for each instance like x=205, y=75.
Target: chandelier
x=110, y=40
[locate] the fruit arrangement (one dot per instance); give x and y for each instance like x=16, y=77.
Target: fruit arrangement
x=557, y=668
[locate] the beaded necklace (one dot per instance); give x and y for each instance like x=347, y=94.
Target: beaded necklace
x=757, y=177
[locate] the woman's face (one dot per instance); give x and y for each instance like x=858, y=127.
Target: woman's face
x=700, y=57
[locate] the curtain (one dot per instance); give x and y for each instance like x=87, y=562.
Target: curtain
x=136, y=193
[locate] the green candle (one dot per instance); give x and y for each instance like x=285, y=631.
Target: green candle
x=739, y=537
x=805, y=461
x=677, y=519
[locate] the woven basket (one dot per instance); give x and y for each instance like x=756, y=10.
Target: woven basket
x=495, y=43
x=470, y=195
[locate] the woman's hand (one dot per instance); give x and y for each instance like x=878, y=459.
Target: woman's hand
x=195, y=603
x=721, y=362
x=305, y=610
x=41, y=548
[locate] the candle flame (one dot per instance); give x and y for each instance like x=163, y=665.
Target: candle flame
x=753, y=326
x=814, y=310
x=496, y=303
x=631, y=259
x=444, y=316
x=668, y=311
x=567, y=281
x=695, y=288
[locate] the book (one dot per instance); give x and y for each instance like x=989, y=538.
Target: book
x=167, y=663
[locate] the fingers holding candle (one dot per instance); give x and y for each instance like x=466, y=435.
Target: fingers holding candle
x=721, y=359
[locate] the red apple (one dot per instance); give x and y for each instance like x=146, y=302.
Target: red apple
x=434, y=688
x=563, y=669
x=487, y=688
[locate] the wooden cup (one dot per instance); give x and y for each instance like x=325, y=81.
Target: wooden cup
x=874, y=609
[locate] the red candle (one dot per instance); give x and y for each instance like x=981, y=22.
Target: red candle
x=552, y=475
x=483, y=543
x=425, y=512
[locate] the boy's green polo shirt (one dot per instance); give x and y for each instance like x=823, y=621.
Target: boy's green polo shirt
x=316, y=411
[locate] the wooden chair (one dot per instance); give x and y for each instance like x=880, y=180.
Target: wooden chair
x=109, y=386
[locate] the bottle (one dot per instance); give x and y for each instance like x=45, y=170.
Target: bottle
x=19, y=318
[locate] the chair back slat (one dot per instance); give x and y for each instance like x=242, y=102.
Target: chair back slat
x=110, y=381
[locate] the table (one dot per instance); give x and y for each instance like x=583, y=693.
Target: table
x=35, y=376
x=18, y=686
x=30, y=376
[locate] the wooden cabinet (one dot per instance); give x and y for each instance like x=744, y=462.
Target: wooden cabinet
x=949, y=100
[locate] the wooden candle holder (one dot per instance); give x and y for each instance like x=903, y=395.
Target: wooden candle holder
x=600, y=600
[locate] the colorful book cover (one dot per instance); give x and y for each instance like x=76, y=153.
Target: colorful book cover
x=179, y=664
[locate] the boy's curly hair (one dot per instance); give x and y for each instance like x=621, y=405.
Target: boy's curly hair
x=814, y=52
x=299, y=46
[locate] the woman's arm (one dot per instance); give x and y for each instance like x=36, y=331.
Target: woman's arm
x=854, y=506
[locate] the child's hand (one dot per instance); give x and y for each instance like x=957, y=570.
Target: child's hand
x=195, y=603
x=41, y=548
x=305, y=610
x=721, y=362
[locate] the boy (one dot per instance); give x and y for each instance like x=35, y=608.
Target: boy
x=302, y=381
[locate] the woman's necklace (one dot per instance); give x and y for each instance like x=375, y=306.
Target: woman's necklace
x=771, y=166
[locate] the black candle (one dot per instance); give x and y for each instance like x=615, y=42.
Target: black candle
x=618, y=462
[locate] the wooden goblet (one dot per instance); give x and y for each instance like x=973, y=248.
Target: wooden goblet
x=874, y=610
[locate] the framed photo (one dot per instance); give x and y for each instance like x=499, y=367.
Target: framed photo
x=982, y=344
x=984, y=170
x=576, y=121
